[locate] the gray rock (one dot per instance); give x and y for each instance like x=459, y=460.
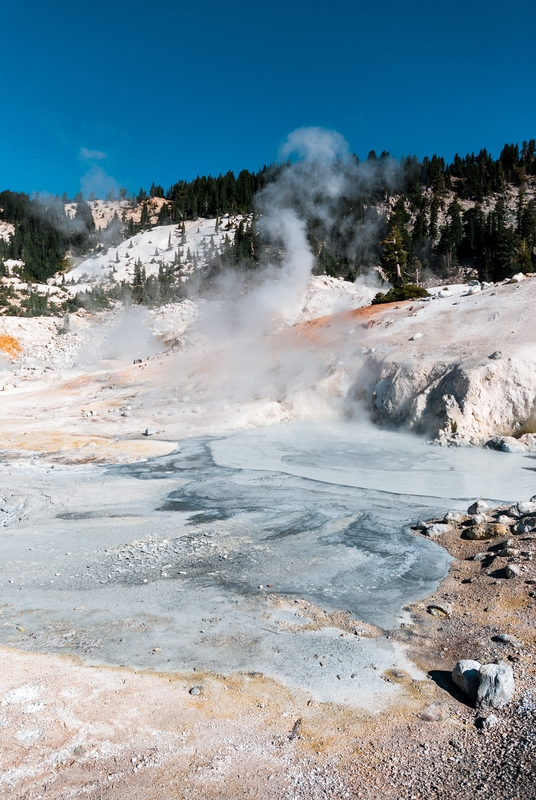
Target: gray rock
x=466, y=675
x=508, y=552
x=437, y=529
x=525, y=509
x=149, y=432
x=496, y=687
x=496, y=355
x=478, y=519
x=529, y=522
x=507, y=638
x=195, y=690
x=502, y=519
x=440, y=609
x=453, y=516
x=512, y=571
x=478, y=507
x=435, y=712
x=512, y=512
x=489, y=722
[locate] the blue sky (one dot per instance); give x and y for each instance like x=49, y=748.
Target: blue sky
x=132, y=92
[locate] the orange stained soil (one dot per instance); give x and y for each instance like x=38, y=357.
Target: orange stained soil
x=10, y=345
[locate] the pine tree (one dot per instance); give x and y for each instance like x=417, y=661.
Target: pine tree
x=394, y=256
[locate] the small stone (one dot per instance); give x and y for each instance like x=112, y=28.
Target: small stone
x=502, y=519
x=478, y=507
x=520, y=528
x=512, y=571
x=195, y=690
x=490, y=722
x=496, y=687
x=508, y=552
x=466, y=675
x=478, y=519
x=453, y=516
x=507, y=638
x=415, y=337
x=496, y=355
x=437, y=529
x=440, y=609
x=486, y=531
x=525, y=509
x=435, y=712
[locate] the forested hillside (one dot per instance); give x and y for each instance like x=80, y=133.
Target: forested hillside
x=422, y=220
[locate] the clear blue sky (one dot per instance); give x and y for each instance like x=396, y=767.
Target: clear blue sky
x=135, y=92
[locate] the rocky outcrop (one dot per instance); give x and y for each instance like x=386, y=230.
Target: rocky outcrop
x=472, y=401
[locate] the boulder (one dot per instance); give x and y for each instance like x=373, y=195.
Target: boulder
x=496, y=687
x=437, y=529
x=478, y=507
x=453, y=516
x=486, y=531
x=526, y=509
x=466, y=675
x=440, y=609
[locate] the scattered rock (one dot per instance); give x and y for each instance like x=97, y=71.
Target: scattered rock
x=149, y=432
x=524, y=527
x=496, y=355
x=489, y=722
x=502, y=519
x=466, y=675
x=437, y=529
x=508, y=552
x=512, y=571
x=478, y=507
x=525, y=509
x=440, y=609
x=496, y=687
x=195, y=690
x=415, y=337
x=517, y=278
x=485, y=531
x=507, y=638
x=453, y=516
x=435, y=712
x=506, y=444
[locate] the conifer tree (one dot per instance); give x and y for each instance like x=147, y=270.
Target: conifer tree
x=394, y=256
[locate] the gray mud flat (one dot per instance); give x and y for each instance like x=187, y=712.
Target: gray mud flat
x=215, y=558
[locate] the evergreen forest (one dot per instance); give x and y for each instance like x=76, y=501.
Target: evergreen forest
x=421, y=220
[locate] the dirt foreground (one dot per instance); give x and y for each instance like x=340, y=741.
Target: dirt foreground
x=69, y=730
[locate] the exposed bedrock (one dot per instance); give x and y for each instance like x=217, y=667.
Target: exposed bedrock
x=474, y=400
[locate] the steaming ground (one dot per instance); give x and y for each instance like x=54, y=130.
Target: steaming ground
x=284, y=553
x=260, y=469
